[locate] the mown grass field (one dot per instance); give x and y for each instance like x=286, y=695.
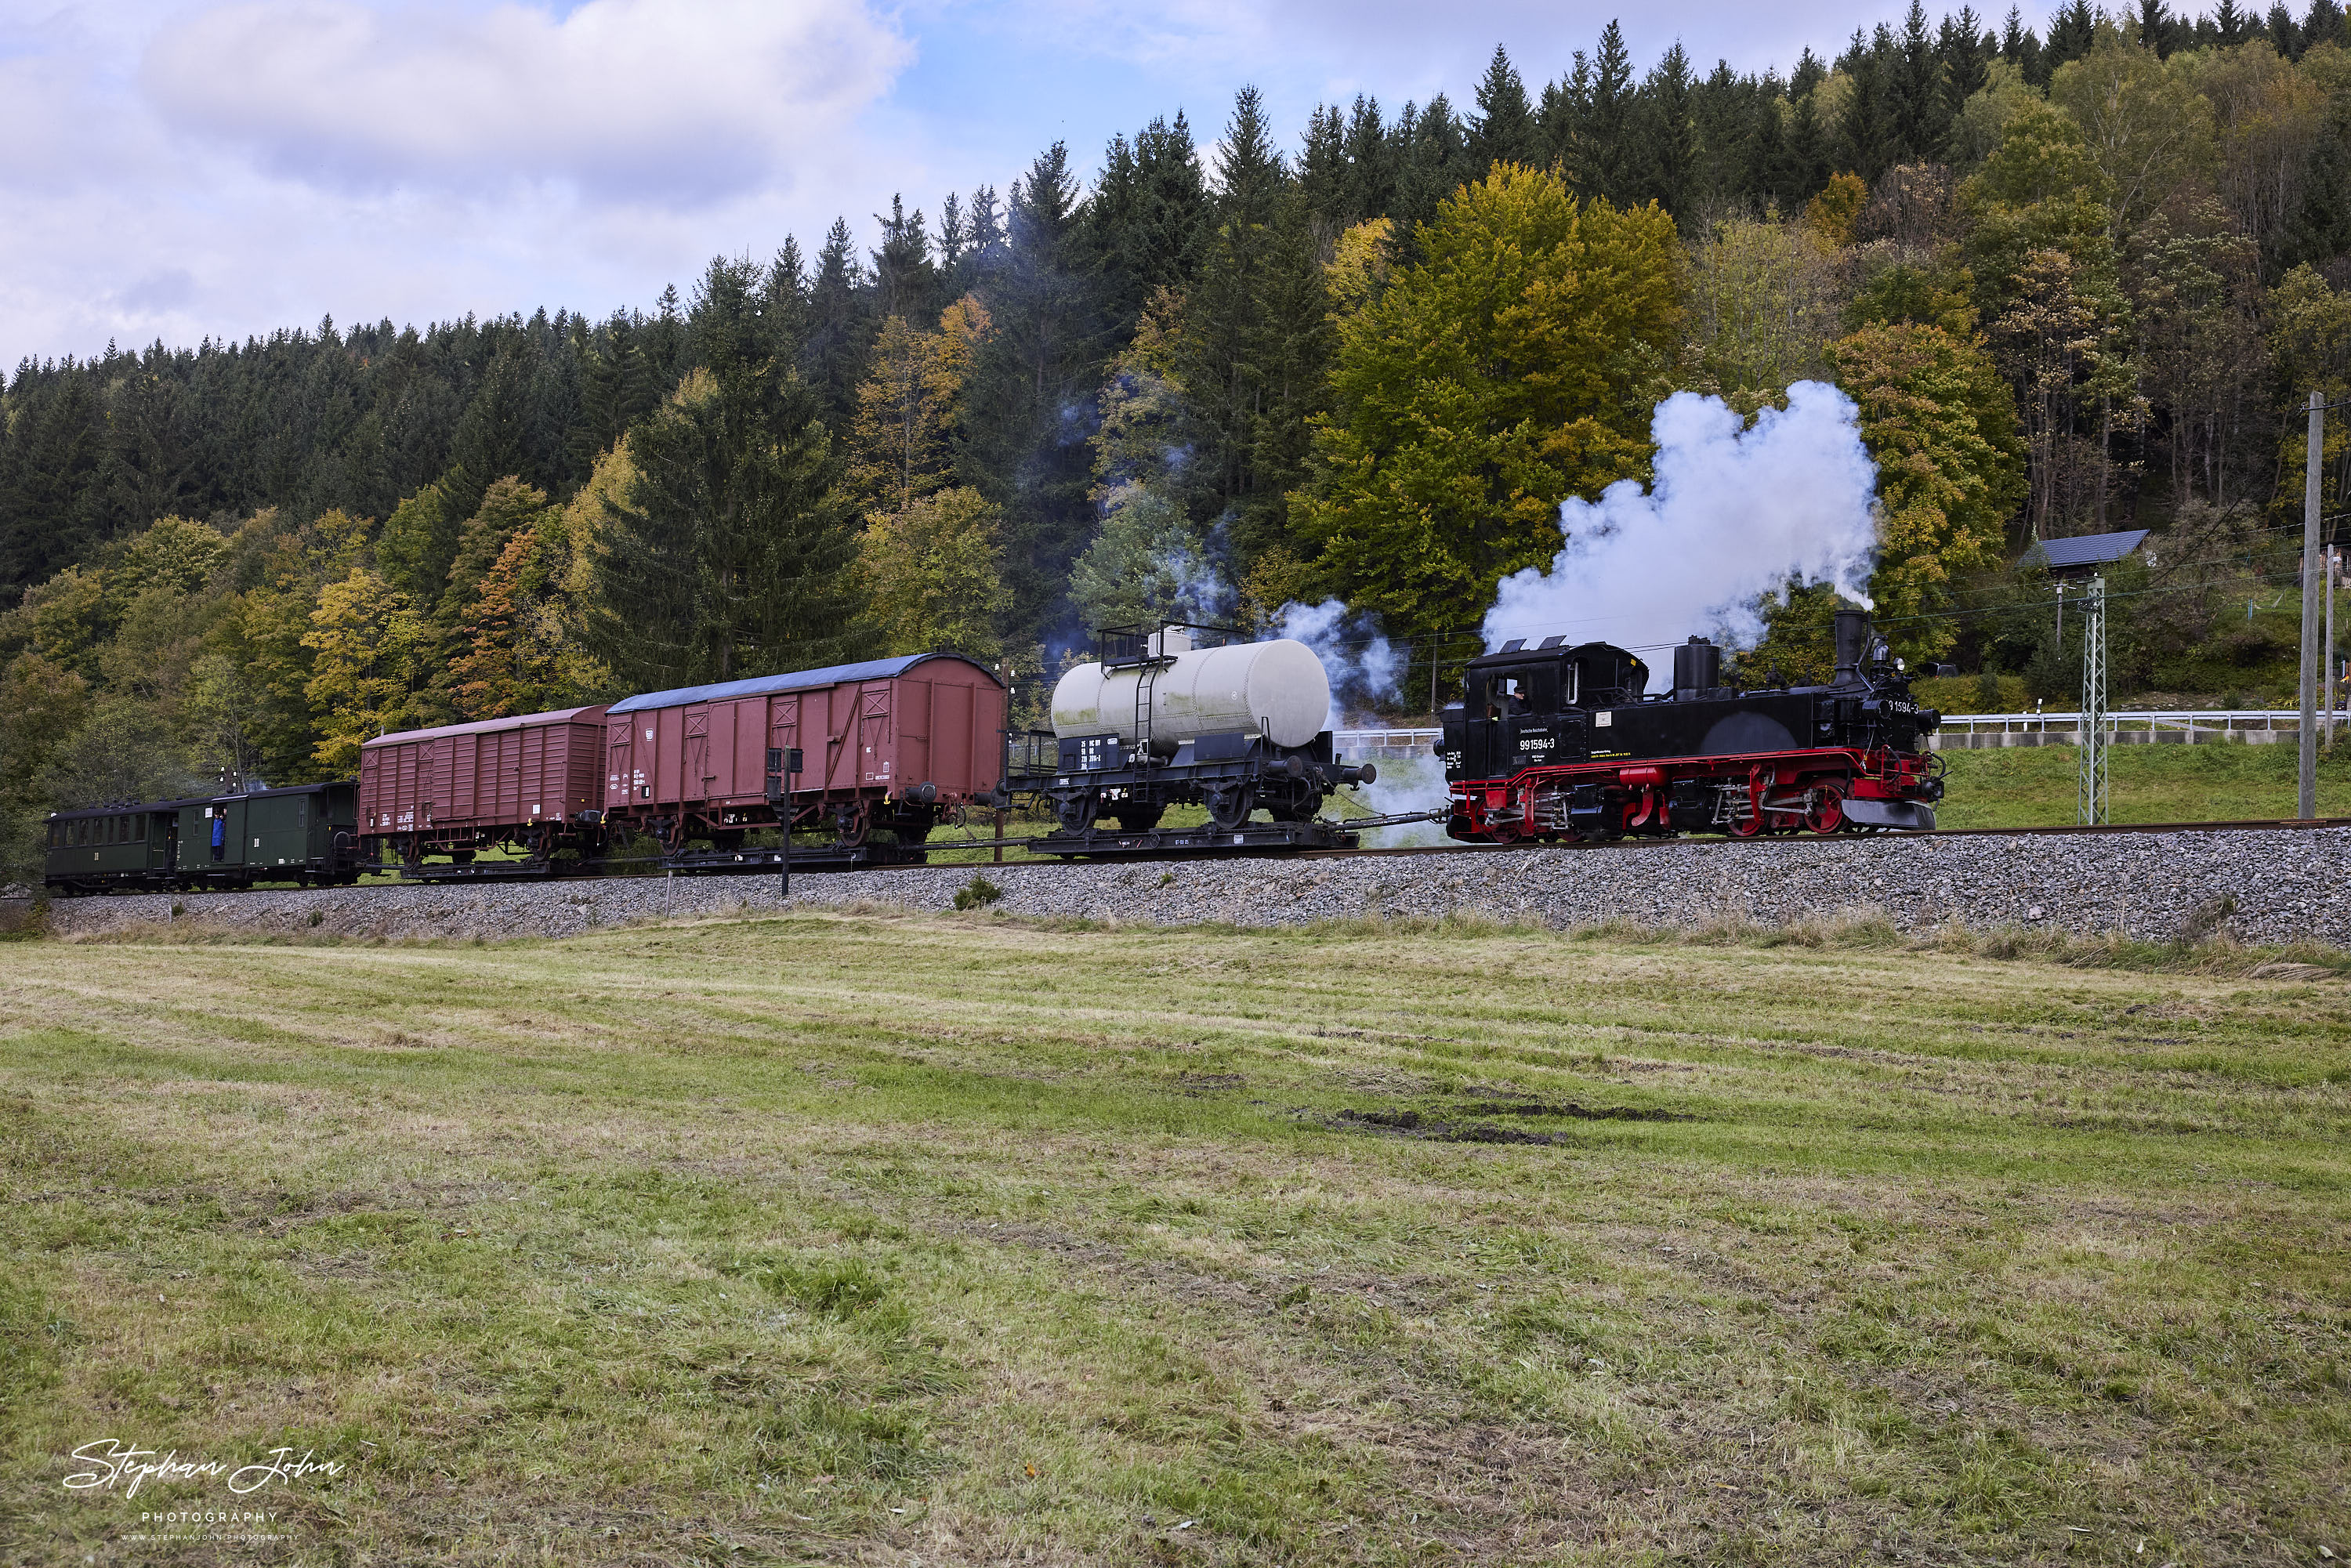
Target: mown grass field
x=2040, y=786
x=965, y=1240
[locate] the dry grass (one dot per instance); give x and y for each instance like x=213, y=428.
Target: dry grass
x=893, y=1237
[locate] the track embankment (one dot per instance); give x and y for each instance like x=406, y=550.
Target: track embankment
x=2275, y=886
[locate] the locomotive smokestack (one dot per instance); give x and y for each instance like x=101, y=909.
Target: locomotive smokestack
x=1852, y=642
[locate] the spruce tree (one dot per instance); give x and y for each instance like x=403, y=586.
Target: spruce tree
x=1611, y=161
x=1371, y=163
x=1667, y=141
x=840, y=327
x=1921, y=115
x=2284, y=37
x=730, y=550
x=1964, y=51
x=2323, y=23
x=905, y=282
x=1866, y=130
x=1032, y=393
x=1503, y=129
x=2154, y=28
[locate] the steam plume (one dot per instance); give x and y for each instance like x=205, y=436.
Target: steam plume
x=1363, y=665
x=1734, y=514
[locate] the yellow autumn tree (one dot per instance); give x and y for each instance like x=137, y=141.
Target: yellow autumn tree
x=933, y=571
x=910, y=404
x=370, y=648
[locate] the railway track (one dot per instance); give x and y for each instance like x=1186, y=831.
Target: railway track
x=813, y=864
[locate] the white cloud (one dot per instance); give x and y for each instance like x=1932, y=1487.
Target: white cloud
x=664, y=101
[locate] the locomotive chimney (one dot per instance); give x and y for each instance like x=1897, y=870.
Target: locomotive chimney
x=1852, y=642
x=1698, y=668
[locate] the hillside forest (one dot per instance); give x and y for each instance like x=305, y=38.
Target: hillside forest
x=2077, y=277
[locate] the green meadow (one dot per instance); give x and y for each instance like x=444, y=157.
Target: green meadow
x=895, y=1239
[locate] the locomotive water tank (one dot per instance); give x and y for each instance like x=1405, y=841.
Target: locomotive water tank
x=1277, y=689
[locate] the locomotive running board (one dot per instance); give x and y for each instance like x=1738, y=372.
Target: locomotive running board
x=1197, y=840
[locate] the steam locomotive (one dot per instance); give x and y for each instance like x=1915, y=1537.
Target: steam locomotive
x=1567, y=743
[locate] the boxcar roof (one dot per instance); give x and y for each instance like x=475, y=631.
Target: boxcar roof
x=480, y=726
x=799, y=680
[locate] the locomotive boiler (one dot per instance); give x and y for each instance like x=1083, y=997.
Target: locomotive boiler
x=1568, y=743
x=1185, y=715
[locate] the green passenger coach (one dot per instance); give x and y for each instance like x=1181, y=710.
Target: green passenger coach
x=307, y=834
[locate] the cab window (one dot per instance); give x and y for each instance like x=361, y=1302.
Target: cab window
x=1528, y=689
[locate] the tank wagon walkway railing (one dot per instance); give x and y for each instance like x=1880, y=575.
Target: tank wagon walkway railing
x=1974, y=731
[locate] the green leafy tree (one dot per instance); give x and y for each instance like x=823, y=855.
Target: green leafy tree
x=1514, y=367
x=1939, y=423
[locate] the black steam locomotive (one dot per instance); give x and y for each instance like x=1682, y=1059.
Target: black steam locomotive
x=1567, y=744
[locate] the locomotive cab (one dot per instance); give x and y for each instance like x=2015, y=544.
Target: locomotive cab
x=1523, y=707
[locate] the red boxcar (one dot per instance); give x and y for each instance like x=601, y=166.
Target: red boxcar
x=529, y=779
x=886, y=745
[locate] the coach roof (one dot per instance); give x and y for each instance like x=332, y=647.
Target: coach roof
x=799, y=680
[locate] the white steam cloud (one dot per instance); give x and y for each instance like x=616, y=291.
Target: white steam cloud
x=1364, y=667
x=1734, y=514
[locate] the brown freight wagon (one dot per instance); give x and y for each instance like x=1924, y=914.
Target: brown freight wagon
x=887, y=747
x=529, y=781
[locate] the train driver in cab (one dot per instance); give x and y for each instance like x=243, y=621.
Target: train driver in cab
x=1509, y=698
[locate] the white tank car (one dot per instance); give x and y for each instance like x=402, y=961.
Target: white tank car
x=1276, y=689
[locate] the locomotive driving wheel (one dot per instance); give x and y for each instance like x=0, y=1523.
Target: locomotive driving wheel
x=1825, y=808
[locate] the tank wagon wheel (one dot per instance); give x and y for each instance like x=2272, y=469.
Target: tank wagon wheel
x=1075, y=814
x=1825, y=808
x=1229, y=805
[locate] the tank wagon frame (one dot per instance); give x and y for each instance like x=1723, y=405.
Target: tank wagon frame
x=1116, y=758
x=1567, y=744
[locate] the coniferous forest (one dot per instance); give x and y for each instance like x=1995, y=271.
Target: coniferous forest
x=2078, y=274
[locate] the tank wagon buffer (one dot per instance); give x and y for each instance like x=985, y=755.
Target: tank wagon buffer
x=1186, y=715
x=1567, y=744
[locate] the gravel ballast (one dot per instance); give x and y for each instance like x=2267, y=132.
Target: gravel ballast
x=2267, y=886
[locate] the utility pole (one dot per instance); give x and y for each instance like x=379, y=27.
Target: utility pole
x=2094, y=703
x=2326, y=656
x=2306, y=784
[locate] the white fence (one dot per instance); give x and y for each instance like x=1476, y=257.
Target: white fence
x=1356, y=745
x=2173, y=727
x=1975, y=731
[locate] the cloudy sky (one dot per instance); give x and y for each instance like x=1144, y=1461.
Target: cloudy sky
x=179, y=170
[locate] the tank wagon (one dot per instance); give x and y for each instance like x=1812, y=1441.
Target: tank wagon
x=306, y=834
x=1561, y=743
x=886, y=747
x=1185, y=715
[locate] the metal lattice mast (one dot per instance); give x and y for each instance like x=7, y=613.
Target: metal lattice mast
x=2094, y=702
